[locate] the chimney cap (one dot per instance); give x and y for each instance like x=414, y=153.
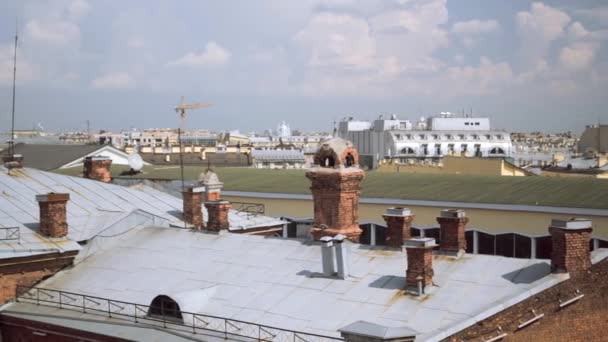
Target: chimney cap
x=96, y=158
x=339, y=238
x=53, y=197
x=453, y=213
x=573, y=223
x=420, y=242
x=327, y=241
x=398, y=211
x=193, y=188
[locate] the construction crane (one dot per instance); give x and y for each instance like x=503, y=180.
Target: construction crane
x=181, y=109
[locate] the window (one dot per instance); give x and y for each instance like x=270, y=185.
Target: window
x=438, y=149
x=489, y=137
x=461, y=136
x=164, y=307
x=475, y=136
x=407, y=150
x=467, y=123
x=408, y=136
x=497, y=150
x=477, y=124
x=425, y=149
x=435, y=136
x=499, y=137
x=422, y=136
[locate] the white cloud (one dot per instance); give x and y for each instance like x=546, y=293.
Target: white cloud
x=576, y=31
x=487, y=77
x=53, y=32
x=475, y=26
x=538, y=28
x=78, y=9
x=577, y=56
x=213, y=55
x=114, y=80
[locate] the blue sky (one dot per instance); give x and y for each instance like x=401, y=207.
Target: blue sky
x=120, y=64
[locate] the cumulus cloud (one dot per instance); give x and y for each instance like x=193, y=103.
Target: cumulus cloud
x=114, y=80
x=27, y=71
x=539, y=27
x=577, y=56
x=78, y=9
x=473, y=27
x=212, y=56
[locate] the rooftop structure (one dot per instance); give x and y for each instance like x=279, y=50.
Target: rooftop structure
x=435, y=137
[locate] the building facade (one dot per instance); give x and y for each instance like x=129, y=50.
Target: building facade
x=426, y=141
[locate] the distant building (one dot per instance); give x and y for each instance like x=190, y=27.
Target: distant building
x=278, y=159
x=283, y=130
x=594, y=139
x=426, y=141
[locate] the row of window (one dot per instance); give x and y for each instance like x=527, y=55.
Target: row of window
x=451, y=150
x=448, y=137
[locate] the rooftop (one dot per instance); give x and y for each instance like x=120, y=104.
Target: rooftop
x=94, y=209
x=52, y=156
x=533, y=191
x=278, y=282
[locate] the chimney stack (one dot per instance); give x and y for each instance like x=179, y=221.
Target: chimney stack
x=328, y=256
x=398, y=221
x=53, y=214
x=570, y=250
x=217, y=215
x=342, y=261
x=212, y=184
x=13, y=162
x=452, y=224
x=419, y=262
x=97, y=168
x=192, y=201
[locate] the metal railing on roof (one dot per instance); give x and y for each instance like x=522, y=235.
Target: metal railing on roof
x=249, y=208
x=10, y=233
x=187, y=322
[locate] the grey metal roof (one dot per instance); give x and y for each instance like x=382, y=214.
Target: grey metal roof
x=95, y=209
x=277, y=282
x=50, y=156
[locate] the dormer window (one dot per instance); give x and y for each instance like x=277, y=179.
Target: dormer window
x=475, y=137
x=461, y=136
x=422, y=136
x=165, y=308
x=409, y=137
x=489, y=137
x=435, y=136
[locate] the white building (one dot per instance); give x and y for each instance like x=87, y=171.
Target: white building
x=427, y=139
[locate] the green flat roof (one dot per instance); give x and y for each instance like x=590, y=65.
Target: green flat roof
x=545, y=191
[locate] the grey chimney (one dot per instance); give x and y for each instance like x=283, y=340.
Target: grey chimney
x=328, y=256
x=342, y=260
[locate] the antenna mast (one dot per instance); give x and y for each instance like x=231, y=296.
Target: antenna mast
x=11, y=143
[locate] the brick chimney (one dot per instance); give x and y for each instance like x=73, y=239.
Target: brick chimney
x=97, y=168
x=53, y=214
x=452, y=223
x=570, y=250
x=217, y=213
x=13, y=162
x=212, y=184
x=419, y=262
x=398, y=221
x=336, y=187
x=192, y=201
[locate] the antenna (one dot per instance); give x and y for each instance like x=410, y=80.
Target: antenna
x=11, y=143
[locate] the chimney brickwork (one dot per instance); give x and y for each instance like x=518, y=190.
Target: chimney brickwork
x=570, y=250
x=192, y=202
x=53, y=214
x=336, y=187
x=419, y=261
x=398, y=221
x=217, y=215
x=97, y=168
x=452, y=225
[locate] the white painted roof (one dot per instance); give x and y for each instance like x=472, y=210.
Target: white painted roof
x=95, y=208
x=278, y=282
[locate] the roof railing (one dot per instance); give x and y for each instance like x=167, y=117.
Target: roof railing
x=170, y=319
x=10, y=233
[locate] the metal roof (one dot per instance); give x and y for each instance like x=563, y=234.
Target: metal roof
x=94, y=209
x=278, y=282
x=278, y=155
x=50, y=156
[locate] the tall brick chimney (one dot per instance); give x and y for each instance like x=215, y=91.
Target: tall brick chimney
x=212, y=184
x=398, y=221
x=452, y=223
x=570, y=250
x=217, y=215
x=336, y=187
x=14, y=161
x=97, y=168
x=192, y=197
x=53, y=214
x=419, y=262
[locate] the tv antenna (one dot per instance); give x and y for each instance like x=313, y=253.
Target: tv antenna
x=11, y=142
